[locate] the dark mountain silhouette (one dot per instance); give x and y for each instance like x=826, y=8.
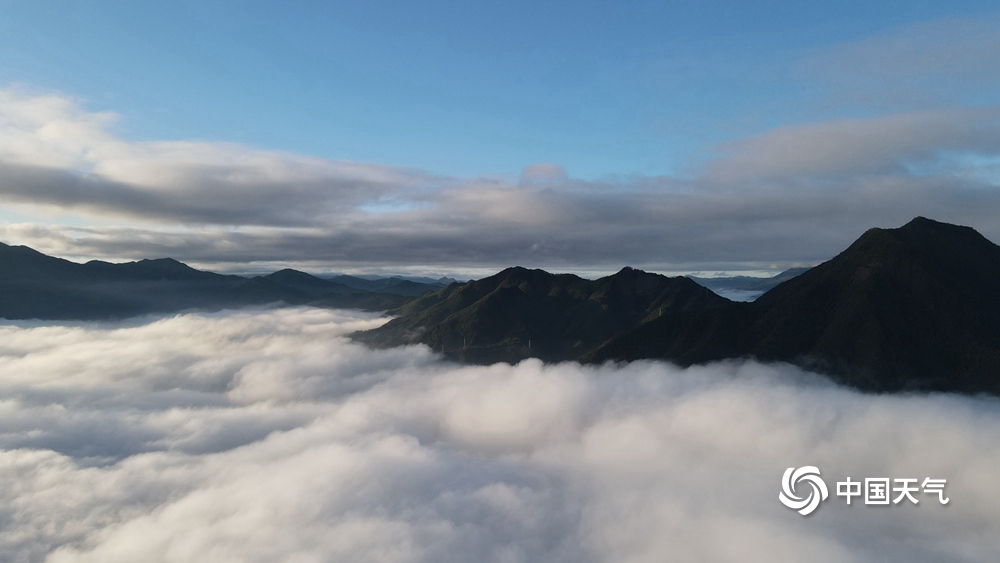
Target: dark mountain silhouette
x=33, y=285
x=913, y=308
x=308, y=284
x=398, y=285
x=519, y=313
x=916, y=307
x=36, y=286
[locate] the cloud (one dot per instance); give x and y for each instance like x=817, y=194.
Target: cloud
x=542, y=172
x=855, y=148
x=53, y=152
x=946, y=61
x=264, y=435
x=794, y=195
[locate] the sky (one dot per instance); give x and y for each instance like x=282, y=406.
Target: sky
x=458, y=138
x=265, y=435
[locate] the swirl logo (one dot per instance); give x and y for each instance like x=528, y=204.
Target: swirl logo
x=817, y=492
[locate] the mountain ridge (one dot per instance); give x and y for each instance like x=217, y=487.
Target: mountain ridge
x=520, y=313
x=34, y=285
x=915, y=308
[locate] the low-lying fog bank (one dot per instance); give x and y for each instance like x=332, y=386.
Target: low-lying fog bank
x=267, y=436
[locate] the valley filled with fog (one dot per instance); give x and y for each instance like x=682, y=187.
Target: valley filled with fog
x=266, y=435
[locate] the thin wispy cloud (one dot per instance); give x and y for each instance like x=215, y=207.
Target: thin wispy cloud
x=931, y=64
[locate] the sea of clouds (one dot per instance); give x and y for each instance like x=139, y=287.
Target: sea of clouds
x=265, y=435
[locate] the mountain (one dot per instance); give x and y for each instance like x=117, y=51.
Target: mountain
x=33, y=285
x=913, y=308
x=307, y=283
x=519, y=313
x=746, y=288
x=397, y=285
x=36, y=286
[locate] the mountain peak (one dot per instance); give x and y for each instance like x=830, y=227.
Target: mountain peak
x=924, y=227
x=164, y=263
x=162, y=268
x=514, y=270
x=289, y=272
x=923, y=223
x=520, y=274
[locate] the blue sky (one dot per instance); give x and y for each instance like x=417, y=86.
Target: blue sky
x=469, y=88
x=460, y=137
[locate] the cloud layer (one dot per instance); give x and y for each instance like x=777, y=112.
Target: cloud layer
x=264, y=436
x=791, y=195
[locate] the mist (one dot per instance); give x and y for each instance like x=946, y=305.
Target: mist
x=266, y=435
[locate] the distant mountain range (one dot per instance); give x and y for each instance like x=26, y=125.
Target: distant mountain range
x=746, y=288
x=913, y=308
x=36, y=286
x=397, y=285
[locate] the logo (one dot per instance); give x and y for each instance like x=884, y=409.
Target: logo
x=817, y=489
x=877, y=490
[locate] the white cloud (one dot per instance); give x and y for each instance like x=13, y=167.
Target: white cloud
x=264, y=435
x=793, y=195
x=55, y=153
x=858, y=147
